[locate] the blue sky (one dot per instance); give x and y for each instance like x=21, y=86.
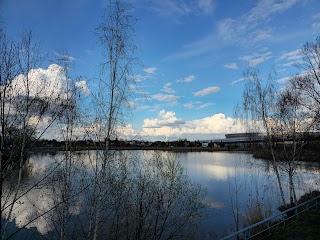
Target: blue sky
x=194, y=53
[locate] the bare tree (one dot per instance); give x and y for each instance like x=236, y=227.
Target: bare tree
x=66, y=184
x=26, y=101
x=170, y=204
x=151, y=198
x=115, y=35
x=308, y=82
x=289, y=116
x=257, y=112
x=299, y=109
x=235, y=186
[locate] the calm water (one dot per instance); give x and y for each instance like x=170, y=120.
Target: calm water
x=231, y=176
x=231, y=179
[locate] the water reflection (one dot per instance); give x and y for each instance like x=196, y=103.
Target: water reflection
x=254, y=180
x=224, y=175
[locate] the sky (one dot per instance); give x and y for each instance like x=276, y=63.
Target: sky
x=193, y=54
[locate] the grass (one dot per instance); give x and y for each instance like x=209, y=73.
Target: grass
x=307, y=228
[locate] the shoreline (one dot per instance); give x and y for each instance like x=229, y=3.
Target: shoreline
x=173, y=149
x=256, y=153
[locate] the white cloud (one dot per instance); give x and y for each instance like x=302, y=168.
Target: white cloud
x=290, y=64
x=180, y=8
x=207, y=91
x=248, y=29
x=197, y=104
x=126, y=131
x=283, y=80
x=205, y=105
x=316, y=16
x=289, y=56
x=174, y=127
x=167, y=89
x=188, y=79
x=164, y=119
x=64, y=57
x=257, y=58
x=261, y=35
x=206, y=6
x=316, y=25
x=286, y=79
x=165, y=97
x=150, y=70
x=82, y=85
x=188, y=105
x=282, y=70
x=231, y=65
x=140, y=78
x=49, y=83
x=238, y=80
x=137, y=88
x=266, y=8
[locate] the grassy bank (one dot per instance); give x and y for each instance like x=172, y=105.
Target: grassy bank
x=307, y=228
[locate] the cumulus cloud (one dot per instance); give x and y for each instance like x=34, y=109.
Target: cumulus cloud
x=82, y=85
x=207, y=91
x=47, y=89
x=165, y=119
x=168, y=125
x=126, y=131
x=187, y=79
x=43, y=83
x=231, y=65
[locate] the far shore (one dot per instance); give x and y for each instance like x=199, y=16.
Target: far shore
x=309, y=156
x=173, y=149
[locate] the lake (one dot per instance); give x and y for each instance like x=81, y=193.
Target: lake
x=233, y=180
